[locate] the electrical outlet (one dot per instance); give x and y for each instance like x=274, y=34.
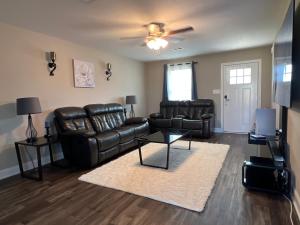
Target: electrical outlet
x=216, y=91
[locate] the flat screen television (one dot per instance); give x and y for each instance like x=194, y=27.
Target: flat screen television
x=296, y=61
x=283, y=69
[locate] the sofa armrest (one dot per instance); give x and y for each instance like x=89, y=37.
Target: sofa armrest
x=84, y=148
x=136, y=120
x=206, y=116
x=180, y=117
x=83, y=133
x=155, y=115
x=208, y=121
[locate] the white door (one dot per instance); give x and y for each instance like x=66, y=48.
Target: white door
x=240, y=100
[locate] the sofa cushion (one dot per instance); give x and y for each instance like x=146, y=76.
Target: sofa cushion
x=183, y=108
x=108, y=154
x=140, y=129
x=169, y=109
x=100, y=123
x=115, y=119
x=161, y=123
x=105, y=117
x=192, y=124
x=136, y=120
x=177, y=123
x=200, y=107
x=126, y=133
x=107, y=140
x=115, y=115
x=72, y=119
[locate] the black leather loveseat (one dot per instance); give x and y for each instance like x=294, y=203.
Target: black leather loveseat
x=96, y=133
x=197, y=116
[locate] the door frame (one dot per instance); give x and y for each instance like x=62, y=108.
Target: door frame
x=259, y=61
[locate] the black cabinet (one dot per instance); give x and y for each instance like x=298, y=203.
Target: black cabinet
x=261, y=174
x=266, y=174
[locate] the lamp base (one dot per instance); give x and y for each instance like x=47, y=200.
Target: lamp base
x=132, y=114
x=31, y=132
x=31, y=140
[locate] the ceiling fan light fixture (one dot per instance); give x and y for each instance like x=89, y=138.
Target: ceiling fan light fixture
x=157, y=43
x=163, y=42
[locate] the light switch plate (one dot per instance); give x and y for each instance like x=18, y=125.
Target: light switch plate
x=216, y=91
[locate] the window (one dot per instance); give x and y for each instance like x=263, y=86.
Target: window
x=240, y=76
x=179, y=82
x=287, y=73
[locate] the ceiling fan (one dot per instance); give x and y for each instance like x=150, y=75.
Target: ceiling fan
x=158, y=37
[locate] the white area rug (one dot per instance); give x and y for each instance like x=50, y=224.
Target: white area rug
x=188, y=182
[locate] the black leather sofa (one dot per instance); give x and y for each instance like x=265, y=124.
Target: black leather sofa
x=197, y=116
x=96, y=133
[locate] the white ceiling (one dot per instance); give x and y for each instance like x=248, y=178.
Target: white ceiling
x=220, y=25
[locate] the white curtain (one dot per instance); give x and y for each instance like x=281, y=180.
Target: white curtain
x=179, y=82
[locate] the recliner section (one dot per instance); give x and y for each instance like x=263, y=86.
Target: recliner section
x=107, y=140
x=126, y=134
x=196, y=116
x=97, y=132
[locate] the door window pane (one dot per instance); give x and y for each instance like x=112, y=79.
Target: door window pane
x=240, y=72
x=232, y=73
x=247, y=71
x=240, y=80
x=232, y=80
x=247, y=79
x=240, y=76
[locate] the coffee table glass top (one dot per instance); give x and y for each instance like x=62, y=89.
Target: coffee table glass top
x=165, y=137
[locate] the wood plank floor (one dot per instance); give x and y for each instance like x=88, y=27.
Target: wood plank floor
x=62, y=199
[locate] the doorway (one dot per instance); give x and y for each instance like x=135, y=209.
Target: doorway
x=240, y=95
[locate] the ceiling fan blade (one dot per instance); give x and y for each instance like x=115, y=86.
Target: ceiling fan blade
x=129, y=38
x=182, y=30
x=143, y=44
x=175, y=39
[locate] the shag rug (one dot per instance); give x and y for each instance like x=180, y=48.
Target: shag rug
x=188, y=182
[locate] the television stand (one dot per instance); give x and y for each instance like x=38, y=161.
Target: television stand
x=266, y=174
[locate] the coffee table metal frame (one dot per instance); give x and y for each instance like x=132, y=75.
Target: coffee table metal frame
x=145, y=140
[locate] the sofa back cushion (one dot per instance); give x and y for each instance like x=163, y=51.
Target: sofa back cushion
x=190, y=109
x=200, y=107
x=72, y=119
x=184, y=108
x=115, y=115
x=105, y=117
x=169, y=109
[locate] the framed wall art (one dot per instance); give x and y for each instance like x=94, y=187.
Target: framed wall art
x=84, y=74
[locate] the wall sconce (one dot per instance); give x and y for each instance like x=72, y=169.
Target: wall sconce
x=108, y=71
x=52, y=64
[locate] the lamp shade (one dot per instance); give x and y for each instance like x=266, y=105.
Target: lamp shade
x=131, y=99
x=28, y=105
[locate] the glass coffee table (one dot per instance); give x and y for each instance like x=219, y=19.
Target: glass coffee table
x=163, y=137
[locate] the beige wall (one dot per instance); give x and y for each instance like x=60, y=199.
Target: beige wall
x=208, y=76
x=293, y=137
x=24, y=73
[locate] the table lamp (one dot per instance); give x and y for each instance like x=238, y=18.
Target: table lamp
x=131, y=100
x=28, y=106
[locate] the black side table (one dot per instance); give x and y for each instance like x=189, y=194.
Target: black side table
x=206, y=126
x=40, y=142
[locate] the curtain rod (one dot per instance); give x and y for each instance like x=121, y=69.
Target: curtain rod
x=183, y=63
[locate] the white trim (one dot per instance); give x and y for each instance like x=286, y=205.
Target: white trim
x=218, y=130
x=296, y=202
x=259, y=61
x=11, y=171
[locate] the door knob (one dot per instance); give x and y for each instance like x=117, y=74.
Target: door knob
x=226, y=98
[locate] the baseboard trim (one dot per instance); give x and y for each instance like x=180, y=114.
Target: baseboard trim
x=296, y=202
x=218, y=130
x=14, y=170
